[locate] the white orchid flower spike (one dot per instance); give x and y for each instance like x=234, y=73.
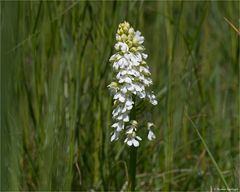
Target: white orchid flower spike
x=132, y=78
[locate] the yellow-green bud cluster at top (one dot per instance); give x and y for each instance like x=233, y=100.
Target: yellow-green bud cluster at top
x=126, y=34
x=134, y=123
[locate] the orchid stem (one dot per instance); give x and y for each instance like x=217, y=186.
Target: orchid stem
x=132, y=168
x=133, y=158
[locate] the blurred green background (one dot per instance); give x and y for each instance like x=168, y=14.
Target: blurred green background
x=56, y=108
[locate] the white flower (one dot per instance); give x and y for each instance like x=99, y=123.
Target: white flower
x=144, y=70
x=152, y=98
x=138, y=38
x=119, y=126
x=121, y=46
x=125, y=79
x=132, y=141
x=132, y=78
x=120, y=96
x=123, y=117
x=151, y=135
x=132, y=138
x=115, y=136
x=144, y=56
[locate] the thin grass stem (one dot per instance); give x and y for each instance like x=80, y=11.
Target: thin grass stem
x=209, y=153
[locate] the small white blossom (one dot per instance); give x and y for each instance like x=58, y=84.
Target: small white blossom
x=138, y=38
x=121, y=46
x=132, y=78
x=151, y=135
x=115, y=136
x=132, y=138
x=132, y=141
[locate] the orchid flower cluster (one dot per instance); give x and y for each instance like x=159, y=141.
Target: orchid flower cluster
x=132, y=80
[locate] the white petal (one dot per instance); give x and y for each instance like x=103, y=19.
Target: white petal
x=114, y=125
x=124, y=47
x=134, y=60
x=115, y=136
x=135, y=143
x=122, y=63
x=154, y=102
x=129, y=101
x=125, y=79
x=144, y=56
x=138, y=37
x=125, y=118
x=124, y=110
x=129, y=107
x=121, y=46
x=130, y=142
x=135, y=73
x=120, y=117
x=124, y=89
x=141, y=94
x=128, y=80
x=121, y=98
x=116, y=96
x=130, y=87
x=144, y=70
x=139, y=138
x=120, y=127
x=137, y=88
x=127, y=86
x=116, y=111
x=130, y=130
x=152, y=99
x=151, y=135
x=139, y=57
x=138, y=33
x=121, y=73
x=127, y=56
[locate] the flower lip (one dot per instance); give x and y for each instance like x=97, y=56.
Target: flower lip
x=151, y=135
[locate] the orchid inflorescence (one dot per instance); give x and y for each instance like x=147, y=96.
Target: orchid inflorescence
x=132, y=80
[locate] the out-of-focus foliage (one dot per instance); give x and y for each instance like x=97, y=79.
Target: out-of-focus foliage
x=56, y=108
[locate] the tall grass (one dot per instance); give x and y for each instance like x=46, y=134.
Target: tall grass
x=56, y=109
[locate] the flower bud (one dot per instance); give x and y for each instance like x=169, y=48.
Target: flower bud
x=133, y=49
x=131, y=31
x=124, y=37
x=140, y=48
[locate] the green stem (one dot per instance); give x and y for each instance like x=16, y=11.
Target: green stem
x=133, y=158
x=132, y=168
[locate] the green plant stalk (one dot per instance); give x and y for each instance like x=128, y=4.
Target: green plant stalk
x=132, y=168
x=133, y=158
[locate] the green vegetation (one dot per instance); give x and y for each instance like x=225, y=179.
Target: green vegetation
x=56, y=108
